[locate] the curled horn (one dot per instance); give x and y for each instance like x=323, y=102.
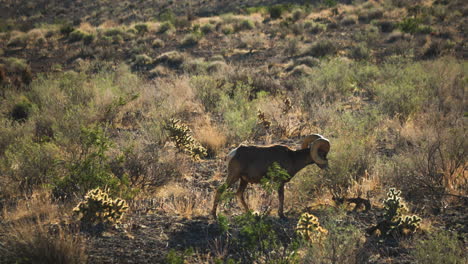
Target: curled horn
x=310, y=139
x=323, y=145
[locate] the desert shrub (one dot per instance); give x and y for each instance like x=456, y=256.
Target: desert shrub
x=405, y=93
x=368, y=15
x=66, y=29
x=386, y=26
x=141, y=28
x=208, y=90
x=413, y=25
x=190, y=39
x=227, y=29
x=438, y=247
x=321, y=48
x=259, y=237
x=340, y=245
x=207, y=28
x=88, y=39
x=327, y=83
x=157, y=43
x=314, y=27
x=18, y=72
x=91, y=169
x=360, y=52
x=76, y=35
x=276, y=11
x=297, y=14
x=19, y=39
x=28, y=165
x=35, y=243
x=349, y=20
x=171, y=58
x=239, y=112
x=308, y=60
x=300, y=70
x=166, y=27
x=142, y=60
x=115, y=31
x=99, y=209
x=21, y=111
x=245, y=24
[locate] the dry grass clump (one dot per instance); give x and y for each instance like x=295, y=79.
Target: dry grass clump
x=210, y=137
x=30, y=234
x=183, y=201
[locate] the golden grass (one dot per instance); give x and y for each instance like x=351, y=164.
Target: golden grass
x=31, y=233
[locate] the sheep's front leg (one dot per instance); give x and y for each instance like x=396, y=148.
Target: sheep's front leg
x=281, y=200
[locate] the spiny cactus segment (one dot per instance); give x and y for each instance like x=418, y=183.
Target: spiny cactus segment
x=308, y=227
x=99, y=208
x=394, y=219
x=262, y=119
x=179, y=133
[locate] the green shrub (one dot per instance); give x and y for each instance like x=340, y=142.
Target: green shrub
x=245, y=24
x=276, y=11
x=99, y=209
x=21, y=110
x=115, y=31
x=158, y=43
x=166, y=27
x=190, y=39
x=414, y=25
x=360, y=52
x=365, y=16
x=322, y=48
x=227, y=29
x=142, y=60
x=275, y=176
x=439, y=247
x=340, y=245
x=171, y=58
x=208, y=90
x=88, y=39
x=66, y=29
x=239, y=112
x=91, y=169
x=76, y=35
x=141, y=28
x=28, y=165
x=207, y=28
x=349, y=20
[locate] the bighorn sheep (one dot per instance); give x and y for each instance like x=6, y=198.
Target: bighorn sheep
x=250, y=164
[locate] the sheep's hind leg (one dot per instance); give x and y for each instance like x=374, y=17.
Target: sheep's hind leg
x=229, y=182
x=240, y=194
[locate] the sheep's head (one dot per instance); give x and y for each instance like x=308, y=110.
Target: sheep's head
x=319, y=148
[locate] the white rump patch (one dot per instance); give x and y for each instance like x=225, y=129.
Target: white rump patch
x=231, y=155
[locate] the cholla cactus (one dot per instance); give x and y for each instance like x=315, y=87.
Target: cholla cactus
x=394, y=219
x=99, y=208
x=309, y=228
x=394, y=206
x=287, y=105
x=180, y=134
x=262, y=119
x=409, y=224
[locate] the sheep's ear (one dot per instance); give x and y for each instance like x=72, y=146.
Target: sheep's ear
x=323, y=145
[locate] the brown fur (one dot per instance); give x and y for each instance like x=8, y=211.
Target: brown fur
x=249, y=164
